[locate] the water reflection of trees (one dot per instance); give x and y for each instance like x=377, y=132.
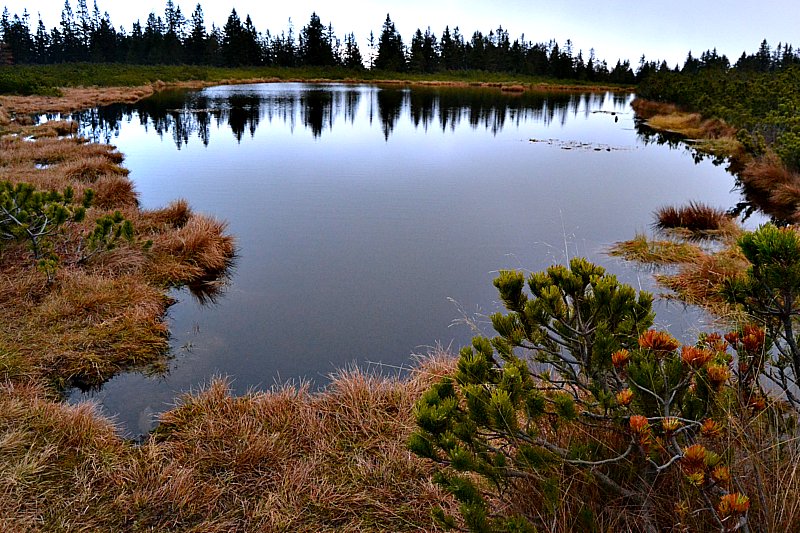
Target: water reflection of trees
x=754, y=201
x=183, y=116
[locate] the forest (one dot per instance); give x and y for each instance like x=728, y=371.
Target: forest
x=758, y=95
x=88, y=35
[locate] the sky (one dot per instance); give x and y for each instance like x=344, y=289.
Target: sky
x=616, y=29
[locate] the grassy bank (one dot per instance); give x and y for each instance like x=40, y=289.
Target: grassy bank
x=70, y=87
x=89, y=315
x=280, y=460
x=748, y=117
x=284, y=460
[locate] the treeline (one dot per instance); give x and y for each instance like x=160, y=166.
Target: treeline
x=87, y=35
x=760, y=94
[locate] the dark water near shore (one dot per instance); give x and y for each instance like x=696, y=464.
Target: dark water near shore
x=368, y=219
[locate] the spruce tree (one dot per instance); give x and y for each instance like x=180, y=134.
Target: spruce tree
x=391, y=52
x=316, y=47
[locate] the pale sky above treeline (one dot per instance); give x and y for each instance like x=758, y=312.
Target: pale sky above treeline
x=616, y=29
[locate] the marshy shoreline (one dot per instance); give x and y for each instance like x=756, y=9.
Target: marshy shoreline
x=284, y=459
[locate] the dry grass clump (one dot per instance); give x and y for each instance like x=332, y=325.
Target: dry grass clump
x=56, y=128
x=693, y=126
x=775, y=188
x=57, y=463
x=175, y=215
x=713, y=136
x=197, y=250
x=656, y=252
x=697, y=221
x=87, y=327
x=516, y=88
x=650, y=108
x=89, y=169
x=688, y=124
x=292, y=460
x=701, y=273
x=114, y=191
x=700, y=282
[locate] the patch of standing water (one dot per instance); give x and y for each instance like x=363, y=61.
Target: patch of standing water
x=362, y=213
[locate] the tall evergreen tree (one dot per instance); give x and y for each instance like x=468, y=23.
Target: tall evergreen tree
x=372, y=51
x=174, y=24
x=17, y=37
x=70, y=42
x=232, y=38
x=352, y=55
x=41, y=43
x=153, y=39
x=240, y=43
x=196, y=41
x=315, y=44
x=103, y=41
x=391, y=52
x=250, y=44
x=424, y=54
x=83, y=27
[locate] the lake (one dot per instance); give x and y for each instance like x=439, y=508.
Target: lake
x=371, y=220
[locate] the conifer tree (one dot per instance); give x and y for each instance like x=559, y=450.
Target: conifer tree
x=316, y=46
x=391, y=52
x=770, y=293
x=196, y=41
x=574, y=356
x=352, y=58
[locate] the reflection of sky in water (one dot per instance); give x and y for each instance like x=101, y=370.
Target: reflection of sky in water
x=359, y=226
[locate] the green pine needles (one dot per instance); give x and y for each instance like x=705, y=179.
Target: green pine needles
x=576, y=380
x=769, y=292
x=36, y=217
x=30, y=215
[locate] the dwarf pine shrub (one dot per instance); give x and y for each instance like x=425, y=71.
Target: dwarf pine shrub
x=30, y=215
x=769, y=292
x=575, y=380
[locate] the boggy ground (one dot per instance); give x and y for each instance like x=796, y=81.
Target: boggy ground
x=765, y=179
x=284, y=460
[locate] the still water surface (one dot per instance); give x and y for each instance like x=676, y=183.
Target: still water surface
x=368, y=219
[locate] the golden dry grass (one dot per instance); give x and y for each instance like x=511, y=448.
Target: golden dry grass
x=711, y=136
x=700, y=282
x=98, y=317
x=89, y=169
x=199, y=249
x=656, y=252
x=58, y=128
x=650, y=108
x=114, y=191
x=515, y=88
x=283, y=460
x=75, y=98
x=775, y=188
x=688, y=124
x=697, y=221
x=175, y=215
